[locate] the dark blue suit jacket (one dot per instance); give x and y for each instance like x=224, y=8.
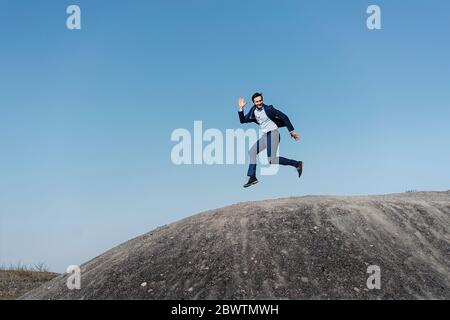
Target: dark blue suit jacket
x=280, y=119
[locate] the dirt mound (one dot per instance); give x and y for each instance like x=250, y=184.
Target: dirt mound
x=312, y=247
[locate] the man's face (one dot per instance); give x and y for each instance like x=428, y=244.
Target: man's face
x=258, y=101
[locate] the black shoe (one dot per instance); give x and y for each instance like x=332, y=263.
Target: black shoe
x=251, y=181
x=300, y=168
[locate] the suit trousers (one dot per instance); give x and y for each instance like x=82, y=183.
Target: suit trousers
x=269, y=141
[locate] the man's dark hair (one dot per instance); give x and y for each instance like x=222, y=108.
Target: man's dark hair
x=256, y=95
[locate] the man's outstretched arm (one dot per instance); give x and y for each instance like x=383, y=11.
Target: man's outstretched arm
x=241, y=105
x=288, y=124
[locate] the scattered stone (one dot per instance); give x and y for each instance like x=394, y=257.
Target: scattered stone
x=115, y=274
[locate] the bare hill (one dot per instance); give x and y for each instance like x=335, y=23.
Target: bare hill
x=311, y=247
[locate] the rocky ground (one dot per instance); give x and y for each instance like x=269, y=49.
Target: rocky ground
x=311, y=247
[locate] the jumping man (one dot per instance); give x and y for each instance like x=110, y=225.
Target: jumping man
x=269, y=120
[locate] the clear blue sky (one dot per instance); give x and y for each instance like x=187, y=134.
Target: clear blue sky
x=86, y=116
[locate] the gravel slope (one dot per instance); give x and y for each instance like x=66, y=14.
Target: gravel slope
x=311, y=247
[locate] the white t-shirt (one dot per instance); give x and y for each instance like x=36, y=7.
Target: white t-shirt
x=264, y=121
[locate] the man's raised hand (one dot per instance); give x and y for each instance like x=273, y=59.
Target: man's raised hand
x=241, y=103
x=295, y=135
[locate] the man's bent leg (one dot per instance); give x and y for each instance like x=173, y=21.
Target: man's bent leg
x=272, y=147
